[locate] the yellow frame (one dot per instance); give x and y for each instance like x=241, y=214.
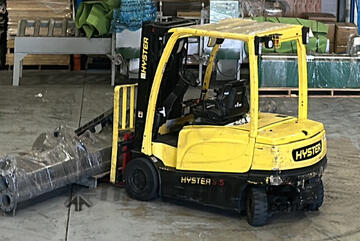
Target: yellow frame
x=117, y=91
x=286, y=33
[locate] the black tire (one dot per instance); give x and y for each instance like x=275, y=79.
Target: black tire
x=319, y=197
x=257, y=206
x=141, y=179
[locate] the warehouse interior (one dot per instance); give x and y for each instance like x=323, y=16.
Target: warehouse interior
x=73, y=75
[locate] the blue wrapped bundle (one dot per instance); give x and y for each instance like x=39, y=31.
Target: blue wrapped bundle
x=132, y=14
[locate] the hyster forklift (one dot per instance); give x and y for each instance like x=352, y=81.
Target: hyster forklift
x=216, y=149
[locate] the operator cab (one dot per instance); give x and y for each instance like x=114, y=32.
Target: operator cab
x=186, y=102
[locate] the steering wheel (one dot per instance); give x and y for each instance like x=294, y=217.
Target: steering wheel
x=189, y=78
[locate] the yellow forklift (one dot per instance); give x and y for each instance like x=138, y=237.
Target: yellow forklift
x=216, y=149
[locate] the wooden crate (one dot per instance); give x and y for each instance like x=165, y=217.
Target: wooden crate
x=37, y=59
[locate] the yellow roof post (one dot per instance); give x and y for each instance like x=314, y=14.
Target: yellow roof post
x=147, y=137
x=209, y=70
x=254, y=89
x=303, y=81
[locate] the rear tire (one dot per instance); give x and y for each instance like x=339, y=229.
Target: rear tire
x=319, y=199
x=141, y=179
x=257, y=206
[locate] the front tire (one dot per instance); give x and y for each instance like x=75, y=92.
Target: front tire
x=141, y=179
x=319, y=197
x=257, y=206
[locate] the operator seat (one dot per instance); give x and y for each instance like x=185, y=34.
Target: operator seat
x=230, y=104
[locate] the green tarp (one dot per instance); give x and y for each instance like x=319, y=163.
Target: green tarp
x=317, y=43
x=322, y=73
x=95, y=16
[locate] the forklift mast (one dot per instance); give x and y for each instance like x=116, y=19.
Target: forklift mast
x=153, y=41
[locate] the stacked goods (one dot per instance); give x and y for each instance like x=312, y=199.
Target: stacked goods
x=222, y=9
x=94, y=17
x=295, y=8
x=36, y=9
x=33, y=10
x=289, y=8
x=189, y=14
x=343, y=32
x=331, y=35
x=132, y=14
x=330, y=21
x=318, y=43
x=184, y=9
x=321, y=17
x=338, y=33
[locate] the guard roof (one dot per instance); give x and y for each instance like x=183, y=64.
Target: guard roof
x=240, y=29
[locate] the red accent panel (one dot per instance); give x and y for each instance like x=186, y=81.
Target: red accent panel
x=126, y=151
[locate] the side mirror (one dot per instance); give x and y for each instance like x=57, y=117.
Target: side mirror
x=305, y=35
x=211, y=43
x=181, y=46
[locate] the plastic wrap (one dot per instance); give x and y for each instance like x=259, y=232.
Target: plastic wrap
x=2, y=9
x=36, y=9
x=128, y=43
x=222, y=9
x=2, y=33
x=323, y=72
x=56, y=160
x=252, y=8
x=289, y=8
x=132, y=14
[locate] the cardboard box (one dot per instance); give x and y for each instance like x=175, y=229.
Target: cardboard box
x=340, y=49
x=331, y=31
x=332, y=47
x=343, y=32
x=321, y=17
x=189, y=14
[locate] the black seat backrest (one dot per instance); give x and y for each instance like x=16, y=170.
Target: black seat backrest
x=231, y=103
x=234, y=99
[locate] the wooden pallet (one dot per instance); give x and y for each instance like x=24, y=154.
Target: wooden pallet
x=312, y=92
x=37, y=59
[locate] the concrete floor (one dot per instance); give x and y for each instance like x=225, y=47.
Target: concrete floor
x=73, y=98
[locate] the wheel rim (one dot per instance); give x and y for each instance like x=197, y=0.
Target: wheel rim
x=138, y=180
